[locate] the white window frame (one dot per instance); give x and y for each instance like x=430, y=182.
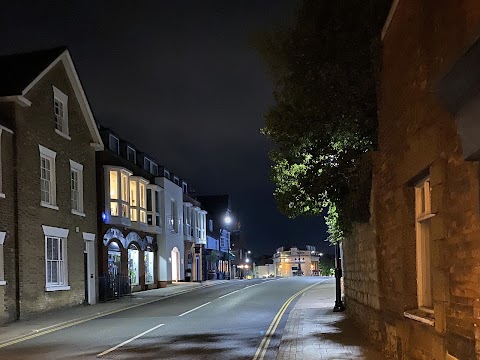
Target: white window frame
x=110, y=136
x=62, y=98
x=176, y=180
x=423, y=214
x=120, y=201
x=129, y=148
x=50, y=156
x=78, y=168
x=140, y=205
x=166, y=174
x=62, y=235
x=2, y=263
x=184, y=187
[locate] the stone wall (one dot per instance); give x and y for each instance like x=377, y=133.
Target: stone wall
x=362, y=288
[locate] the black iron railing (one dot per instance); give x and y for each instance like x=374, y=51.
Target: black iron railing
x=113, y=286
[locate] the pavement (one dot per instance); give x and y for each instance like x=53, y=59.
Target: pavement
x=314, y=331
x=77, y=314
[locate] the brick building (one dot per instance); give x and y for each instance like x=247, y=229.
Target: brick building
x=48, y=201
x=412, y=274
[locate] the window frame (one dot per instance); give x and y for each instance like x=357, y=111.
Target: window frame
x=62, y=250
x=110, y=137
x=151, y=166
x=62, y=98
x=423, y=214
x=134, y=152
x=185, y=187
x=77, y=168
x=49, y=155
x=119, y=193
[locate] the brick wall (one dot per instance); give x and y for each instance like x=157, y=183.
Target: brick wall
x=362, y=288
x=418, y=136
x=34, y=126
x=7, y=292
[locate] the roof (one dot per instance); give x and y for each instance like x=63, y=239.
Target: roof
x=17, y=71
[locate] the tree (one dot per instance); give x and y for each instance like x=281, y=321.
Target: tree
x=324, y=119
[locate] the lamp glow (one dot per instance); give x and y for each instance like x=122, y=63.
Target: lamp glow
x=228, y=219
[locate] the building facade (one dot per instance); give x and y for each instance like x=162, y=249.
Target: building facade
x=218, y=257
x=295, y=262
x=129, y=202
x=419, y=286
x=48, y=201
x=195, y=235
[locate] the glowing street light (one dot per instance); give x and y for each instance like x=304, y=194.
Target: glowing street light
x=228, y=219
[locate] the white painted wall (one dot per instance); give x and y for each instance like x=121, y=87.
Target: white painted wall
x=168, y=240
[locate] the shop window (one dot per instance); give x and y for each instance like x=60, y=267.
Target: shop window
x=114, y=259
x=133, y=255
x=148, y=260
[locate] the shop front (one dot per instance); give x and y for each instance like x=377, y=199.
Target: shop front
x=126, y=263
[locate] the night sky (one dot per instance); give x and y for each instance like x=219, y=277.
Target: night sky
x=179, y=80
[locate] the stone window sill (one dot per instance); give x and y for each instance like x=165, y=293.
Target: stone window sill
x=3, y=282
x=50, y=206
x=421, y=315
x=57, y=288
x=63, y=134
x=2, y=195
x=79, y=213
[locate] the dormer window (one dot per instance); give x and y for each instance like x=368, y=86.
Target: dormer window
x=166, y=174
x=176, y=180
x=114, y=144
x=131, y=154
x=185, y=187
x=60, y=110
x=150, y=166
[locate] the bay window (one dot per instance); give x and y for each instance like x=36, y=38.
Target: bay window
x=117, y=195
x=138, y=201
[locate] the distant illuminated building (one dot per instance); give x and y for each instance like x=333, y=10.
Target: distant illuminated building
x=293, y=261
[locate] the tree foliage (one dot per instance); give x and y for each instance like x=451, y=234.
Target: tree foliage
x=324, y=118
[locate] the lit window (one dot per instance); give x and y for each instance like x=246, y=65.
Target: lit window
x=148, y=261
x=133, y=254
x=423, y=215
x=114, y=144
x=76, y=187
x=55, y=261
x=131, y=154
x=47, y=177
x=117, y=195
x=133, y=200
x=143, y=205
x=60, y=109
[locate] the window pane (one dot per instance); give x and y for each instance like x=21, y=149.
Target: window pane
x=49, y=248
x=143, y=216
x=114, y=208
x=124, y=187
x=133, y=193
x=125, y=210
x=142, y=195
x=157, y=202
x=54, y=278
x=113, y=184
x=133, y=214
x=149, y=199
x=49, y=271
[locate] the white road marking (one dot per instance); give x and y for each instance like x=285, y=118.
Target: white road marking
x=127, y=341
x=233, y=292
x=198, y=307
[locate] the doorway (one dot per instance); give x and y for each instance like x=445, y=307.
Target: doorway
x=175, y=264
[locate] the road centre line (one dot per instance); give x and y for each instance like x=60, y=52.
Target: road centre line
x=128, y=341
x=230, y=293
x=262, y=349
x=198, y=307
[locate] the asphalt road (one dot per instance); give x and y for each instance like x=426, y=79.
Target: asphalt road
x=227, y=321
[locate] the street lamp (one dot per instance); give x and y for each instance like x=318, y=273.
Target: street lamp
x=338, y=275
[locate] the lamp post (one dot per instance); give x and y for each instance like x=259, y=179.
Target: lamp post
x=339, y=306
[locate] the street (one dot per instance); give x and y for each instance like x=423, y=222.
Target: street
x=233, y=320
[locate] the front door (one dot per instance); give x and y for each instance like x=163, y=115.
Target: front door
x=85, y=271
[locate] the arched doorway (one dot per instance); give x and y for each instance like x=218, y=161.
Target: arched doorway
x=175, y=264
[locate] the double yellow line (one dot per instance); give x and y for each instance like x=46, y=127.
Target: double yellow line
x=262, y=349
